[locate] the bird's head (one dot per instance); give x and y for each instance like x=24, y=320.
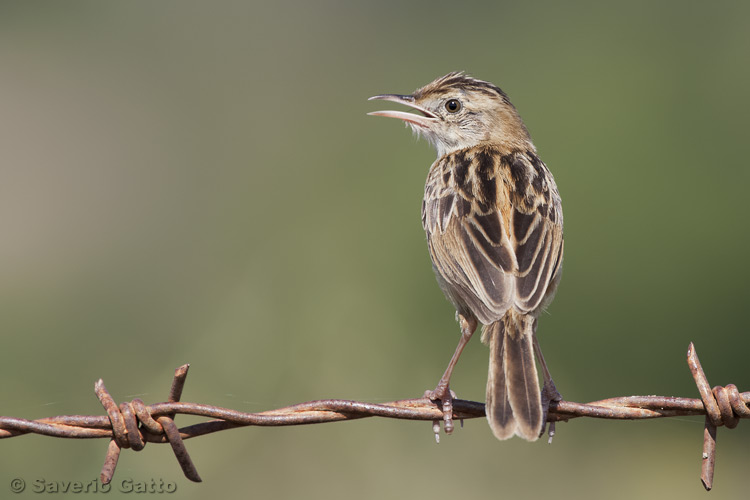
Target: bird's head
x=458, y=111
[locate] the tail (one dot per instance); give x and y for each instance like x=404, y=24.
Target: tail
x=514, y=404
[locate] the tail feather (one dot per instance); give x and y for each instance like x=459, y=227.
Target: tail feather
x=497, y=406
x=514, y=405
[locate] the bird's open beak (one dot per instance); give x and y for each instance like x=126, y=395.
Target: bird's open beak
x=424, y=120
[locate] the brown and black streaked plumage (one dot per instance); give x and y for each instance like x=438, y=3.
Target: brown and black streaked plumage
x=494, y=225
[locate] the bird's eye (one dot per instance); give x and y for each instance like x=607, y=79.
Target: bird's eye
x=453, y=106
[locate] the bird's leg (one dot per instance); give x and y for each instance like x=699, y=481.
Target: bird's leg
x=443, y=391
x=549, y=391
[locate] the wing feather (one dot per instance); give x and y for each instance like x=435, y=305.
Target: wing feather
x=494, y=228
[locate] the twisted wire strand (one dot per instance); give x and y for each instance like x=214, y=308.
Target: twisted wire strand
x=133, y=424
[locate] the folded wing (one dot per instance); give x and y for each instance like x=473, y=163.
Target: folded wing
x=496, y=239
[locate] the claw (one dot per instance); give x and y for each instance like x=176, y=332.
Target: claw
x=436, y=430
x=446, y=397
x=551, y=432
x=549, y=394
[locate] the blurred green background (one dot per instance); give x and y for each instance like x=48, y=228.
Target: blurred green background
x=198, y=182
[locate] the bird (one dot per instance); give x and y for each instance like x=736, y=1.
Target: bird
x=493, y=218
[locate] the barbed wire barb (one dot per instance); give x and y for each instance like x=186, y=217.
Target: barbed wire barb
x=133, y=424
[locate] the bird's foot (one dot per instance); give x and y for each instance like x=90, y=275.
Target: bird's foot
x=445, y=395
x=549, y=394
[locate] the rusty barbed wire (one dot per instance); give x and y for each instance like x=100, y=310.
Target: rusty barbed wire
x=133, y=424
